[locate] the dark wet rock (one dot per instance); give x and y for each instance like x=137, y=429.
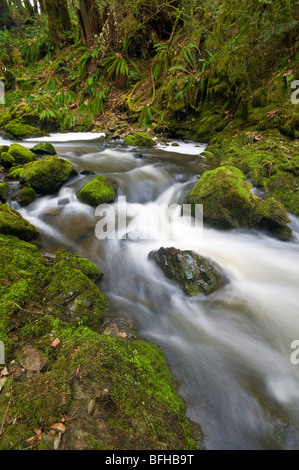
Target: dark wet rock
x=195, y=274
x=140, y=156
x=64, y=201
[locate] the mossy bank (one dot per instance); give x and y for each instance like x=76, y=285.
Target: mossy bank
x=65, y=384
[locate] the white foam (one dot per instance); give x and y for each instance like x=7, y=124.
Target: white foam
x=68, y=137
x=185, y=148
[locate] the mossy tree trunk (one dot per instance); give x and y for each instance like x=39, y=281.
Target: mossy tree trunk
x=42, y=7
x=29, y=7
x=89, y=21
x=6, y=19
x=58, y=20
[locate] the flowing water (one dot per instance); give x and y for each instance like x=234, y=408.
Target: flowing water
x=230, y=351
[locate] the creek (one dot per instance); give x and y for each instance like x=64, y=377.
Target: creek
x=229, y=352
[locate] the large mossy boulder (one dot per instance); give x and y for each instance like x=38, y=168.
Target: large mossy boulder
x=195, y=274
x=21, y=154
x=12, y=223
x=228, y=202
x=140, y=139
x=60, y=363
x=19, y=130
x=48, y=175
x=100, y=190
x=44, y=148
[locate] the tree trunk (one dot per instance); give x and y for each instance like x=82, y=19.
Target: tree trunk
x=42, y=7
x=29, y=7
x=6, y=19
x=64, y=15
x=58, y=19
x=89, y=21
x=53, y=24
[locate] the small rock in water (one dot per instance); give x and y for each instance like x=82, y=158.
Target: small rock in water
x=64, y=201
x=194, y=273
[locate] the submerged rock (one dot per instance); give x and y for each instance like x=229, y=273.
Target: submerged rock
x=12, y=223
x=195, y=274
x=100, y=190
x=229, y=202
x=47, y=175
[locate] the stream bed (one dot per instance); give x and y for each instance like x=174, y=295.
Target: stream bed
x=231, y=351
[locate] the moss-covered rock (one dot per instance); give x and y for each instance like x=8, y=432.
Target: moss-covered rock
x=121, y=390
x=228, y=202
x=3, y=192
x=44, y=148
x=19, y=130
x=269, y=159
x=21, y=154
x=12, y=223
x=15, y=173
x=7, y=160
x=100, y=190
x=5, y=117
x=47, y=175
x=195, y=274
x=25, y=196
x=4, y=148
x=140, y=139
x=73, y=285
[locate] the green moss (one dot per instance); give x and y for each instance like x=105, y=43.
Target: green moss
x=228, y=202
x=47, y=175
x=140, y=139
x=22, y=131
x=12, y=223
x=15, y=173
x=3, y=192
x=44, y=148
x=140, y=403
x=5, y=117
x=43, y=400
x=26, y=196
x=3, y=148
x=73, y=286
x=7, y=160
x=21, y=154
x=101, y=190
x=268, y=158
